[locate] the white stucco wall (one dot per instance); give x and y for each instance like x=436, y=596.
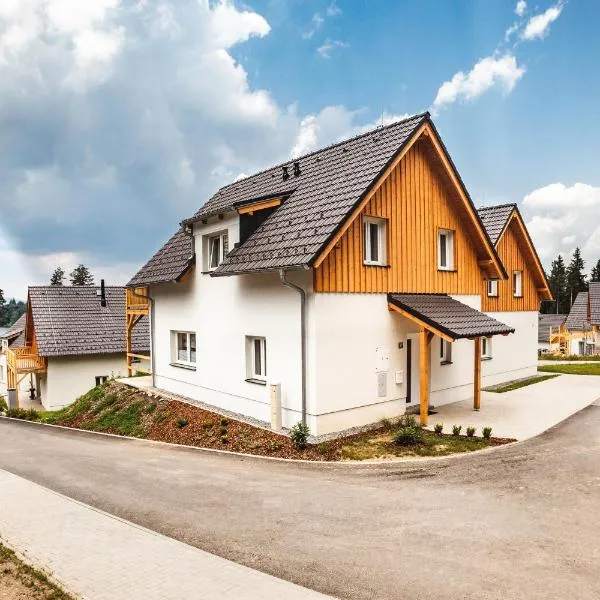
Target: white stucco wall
x=23, y=386
x=222, y=311
x=67, y=378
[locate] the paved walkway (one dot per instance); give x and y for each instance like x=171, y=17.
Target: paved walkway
x=525, y=412
x=97, y=556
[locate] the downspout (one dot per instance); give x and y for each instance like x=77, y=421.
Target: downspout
x=302, y=293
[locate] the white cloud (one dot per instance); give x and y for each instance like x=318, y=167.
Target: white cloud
x=333, y=10
x=538, y=26
x=502, y=72
x=520, y=8
x=329, y=46
x=316, y=23
x=561, y=217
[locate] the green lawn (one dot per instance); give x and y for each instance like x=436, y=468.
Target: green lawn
x=591, y=368
x=515, y=385
x=570, y=357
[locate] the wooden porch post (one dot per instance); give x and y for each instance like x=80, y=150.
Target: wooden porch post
x=477, y=374
x=424, y=342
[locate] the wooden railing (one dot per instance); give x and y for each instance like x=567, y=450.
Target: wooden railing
x=24, y=360
x=137, y=300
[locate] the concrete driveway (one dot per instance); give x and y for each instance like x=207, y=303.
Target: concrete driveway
x=520, y=522
x=525, y=412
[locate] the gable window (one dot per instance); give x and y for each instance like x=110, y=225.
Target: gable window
x=445, y=352
x=486, y=348
x=256, y=358
x=492, y=288
x=100, y=379
x=215, y=249
x=183, y=348
x=445, y=250
x=518, y=284
x=375, y=241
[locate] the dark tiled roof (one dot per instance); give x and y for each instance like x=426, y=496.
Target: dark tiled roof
x=17, y=327
x=595, y=302
x=578, y=318
x=546, y=322
x=332, y=181
x=69, y=321
x=494, y=219
x=450, y=316
x=168, y=264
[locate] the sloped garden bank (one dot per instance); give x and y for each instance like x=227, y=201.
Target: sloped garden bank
x=122, y=410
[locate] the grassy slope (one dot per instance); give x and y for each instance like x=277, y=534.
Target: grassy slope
x=509, y=387
x=589, y=368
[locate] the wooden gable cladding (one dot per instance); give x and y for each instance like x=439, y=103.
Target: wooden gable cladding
x=514, y=257
x=416, y=199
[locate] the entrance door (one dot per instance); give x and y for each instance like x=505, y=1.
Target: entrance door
x=412, y=370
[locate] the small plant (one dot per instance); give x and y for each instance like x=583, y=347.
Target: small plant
x=386, y=423
x=438, y=428
x=470, y=431
x=3, y=405
x=224, y=439
x=181, y=423
x=224, y=421
x=408, y=436
x=275, y=445
x=299, y=434
x=407, y=421
x=456, y=429
x=487, y=432
x=207, y=423
x=223, y=430
x=23, y=414
x=151, y=408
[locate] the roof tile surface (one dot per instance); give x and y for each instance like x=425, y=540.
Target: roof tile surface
x=594, y=291
x=494, y=219
x=578, y=318
x=546, y=322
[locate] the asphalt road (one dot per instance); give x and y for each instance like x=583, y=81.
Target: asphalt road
x=518, y=523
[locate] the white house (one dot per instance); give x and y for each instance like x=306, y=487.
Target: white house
x=12, y=337
x=360, y=278
x=583, y=322
x=73, y=340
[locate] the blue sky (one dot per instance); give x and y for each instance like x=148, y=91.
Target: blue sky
x=120, y=117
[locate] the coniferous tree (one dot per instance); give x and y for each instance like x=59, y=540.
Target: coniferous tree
x=2, y=308
x=575, y=276
x=10, y=311
x=558, y=284
x=81, y=275
x=595, y=274
x=58, y=277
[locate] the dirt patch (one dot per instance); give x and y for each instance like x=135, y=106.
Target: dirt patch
x=122, y=410
x=19, y=581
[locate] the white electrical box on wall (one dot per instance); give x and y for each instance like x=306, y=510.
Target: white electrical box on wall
x=399, y=377
x=382, y=384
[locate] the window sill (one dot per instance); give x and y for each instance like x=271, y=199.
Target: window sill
x=445, y=362
x=493, y=297
x=383, y=265
x=441, y=269
x=183, y=366
x=486, y=358
x=518, y=297
x=255, y=381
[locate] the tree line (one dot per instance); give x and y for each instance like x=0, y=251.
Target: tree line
x=566, y=281
x=10, y=311
x=80, y=275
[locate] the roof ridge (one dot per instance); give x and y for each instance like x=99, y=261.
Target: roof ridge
x=506, y=204
x=328, y=147
x=75, y=287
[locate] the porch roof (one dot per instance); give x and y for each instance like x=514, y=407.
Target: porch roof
x=447, y=317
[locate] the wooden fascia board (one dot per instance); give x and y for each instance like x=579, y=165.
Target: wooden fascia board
x=459, y=186
x=255, y=206
x=361, y=205
x=422, y=324
x=516, y=216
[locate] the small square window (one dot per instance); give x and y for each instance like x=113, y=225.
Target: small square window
x=492, y=288
x=100, y=379
x=445, y=250
x=184, y=348
x=375, y=241
x=256, y=355
x=518, y=284
x=486, y=347
x=445, y=352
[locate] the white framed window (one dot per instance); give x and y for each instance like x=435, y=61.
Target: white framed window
x=518, y=284
x=4, y=345
x=215, y=249
x=183, y=350
x=375, y=241
x=486, y=347
x=445, y=249
x=445, y=352
x=100, y=379
x=492, y=288
x=256, y=355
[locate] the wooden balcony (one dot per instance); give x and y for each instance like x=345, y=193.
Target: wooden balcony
x=24, y=360
x=137, y=305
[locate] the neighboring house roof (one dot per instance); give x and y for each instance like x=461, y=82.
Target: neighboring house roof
x=168, y=264
x=70, y=321
x=578, y=318
x=495, y=219
x=3, y=330
x=331, y=185
x=15, y=334
x=451, y=317
x=594, y=296
x=546, y=322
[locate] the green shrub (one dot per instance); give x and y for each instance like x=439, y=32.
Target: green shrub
x=23, y=414
x=408, y=436
x=160, y=416
x=224, y=421
x=181, y=423
x=470, y=431
x=224, y=439
x=456, y=429
x=207, y=423
x=107, y=401
x=223, y=430
x=407, y=421
x=386, y=423
x=299, y=434
x=151, y=408
x=3, y=405
x=487, y=432
x=439, y=427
